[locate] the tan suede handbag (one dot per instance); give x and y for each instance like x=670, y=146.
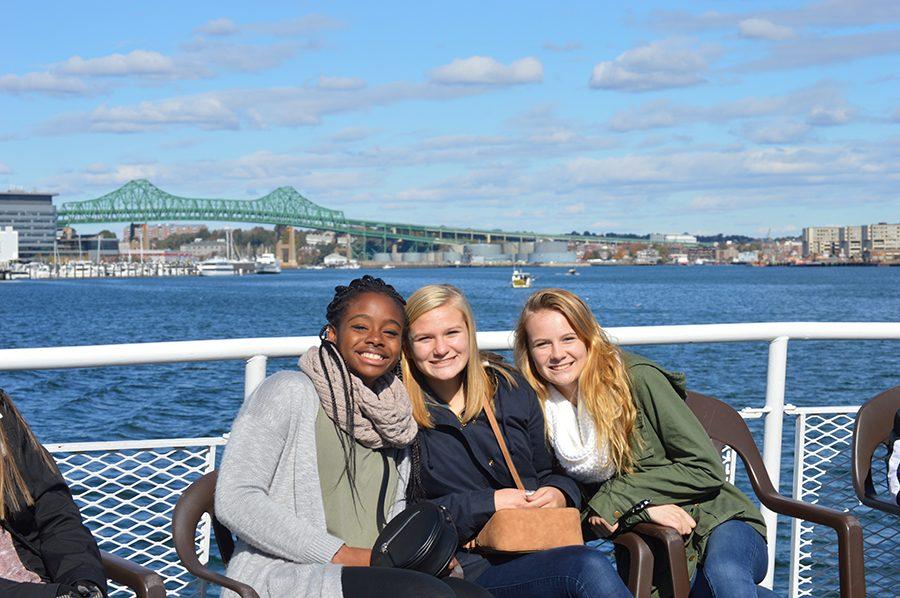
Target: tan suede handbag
x=525, y=530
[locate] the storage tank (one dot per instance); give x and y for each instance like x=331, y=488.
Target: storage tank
x=484, y=249
x=413, y=257
x=382, y=258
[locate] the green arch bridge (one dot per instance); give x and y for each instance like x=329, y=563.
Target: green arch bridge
x=141, y=201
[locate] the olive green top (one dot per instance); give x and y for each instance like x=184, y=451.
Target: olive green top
x=675, y=463
x=354, y=518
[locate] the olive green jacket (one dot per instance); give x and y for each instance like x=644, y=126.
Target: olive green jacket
x=675, y=463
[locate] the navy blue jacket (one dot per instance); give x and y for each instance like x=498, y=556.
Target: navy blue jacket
x=462, y=466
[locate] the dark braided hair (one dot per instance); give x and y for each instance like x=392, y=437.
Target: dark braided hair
x=334, y=314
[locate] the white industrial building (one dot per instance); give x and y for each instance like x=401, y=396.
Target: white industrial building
x=9, y=244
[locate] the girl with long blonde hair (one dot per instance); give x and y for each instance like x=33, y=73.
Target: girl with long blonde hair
x=457, y=461
x=618, y=424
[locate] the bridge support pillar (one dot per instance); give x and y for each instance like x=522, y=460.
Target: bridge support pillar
x=287, y=251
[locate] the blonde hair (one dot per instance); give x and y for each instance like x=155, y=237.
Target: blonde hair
x=13, y=489
x=479, y=383
x=603, y=386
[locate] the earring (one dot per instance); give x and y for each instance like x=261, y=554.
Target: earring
x=323, y=334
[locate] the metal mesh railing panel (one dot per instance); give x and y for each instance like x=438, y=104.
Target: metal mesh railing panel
x=822, y=476
x=127, y=495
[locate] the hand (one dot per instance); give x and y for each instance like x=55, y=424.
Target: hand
x=352, y=557
x=672, y=516
x=87, y=589
x=601, y=527
x=546, y=497
x=80, y=589
x=510, y=498
x=454, y=569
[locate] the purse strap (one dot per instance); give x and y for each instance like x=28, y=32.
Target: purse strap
x=489, y=412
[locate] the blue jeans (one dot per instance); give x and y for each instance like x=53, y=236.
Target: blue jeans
x=735, y=562
x=569, y=572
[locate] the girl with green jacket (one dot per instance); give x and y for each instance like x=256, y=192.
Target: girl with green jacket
x=619, y=425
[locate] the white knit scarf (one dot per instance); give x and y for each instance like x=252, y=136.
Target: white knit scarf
x=574, y=439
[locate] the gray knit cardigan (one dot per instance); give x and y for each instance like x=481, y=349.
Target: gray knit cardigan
x=269, y=494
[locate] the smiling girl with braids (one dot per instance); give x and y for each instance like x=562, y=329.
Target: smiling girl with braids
x=317, y=462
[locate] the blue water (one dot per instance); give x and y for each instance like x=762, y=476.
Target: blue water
x=201, y=399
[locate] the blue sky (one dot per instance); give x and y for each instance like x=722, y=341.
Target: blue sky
x=702, y=117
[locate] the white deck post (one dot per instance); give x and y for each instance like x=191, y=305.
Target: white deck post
x=254, y=373
x=775, y=380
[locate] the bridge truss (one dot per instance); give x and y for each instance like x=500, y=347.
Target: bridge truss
x=141, y=201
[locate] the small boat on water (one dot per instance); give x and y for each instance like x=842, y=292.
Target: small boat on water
x=217, y=266
x=521, y=279
x=572, y=272
x=267, y=264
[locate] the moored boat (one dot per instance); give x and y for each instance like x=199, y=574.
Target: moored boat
x=267, y=264
x=217, y=266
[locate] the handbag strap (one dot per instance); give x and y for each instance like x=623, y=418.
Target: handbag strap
x=489, y=412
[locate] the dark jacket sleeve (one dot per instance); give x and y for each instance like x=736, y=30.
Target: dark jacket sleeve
x=15, y=589
x=547, y=471
x=66, y=546
x=470, y=510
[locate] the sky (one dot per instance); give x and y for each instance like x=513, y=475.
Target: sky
x=739, y=117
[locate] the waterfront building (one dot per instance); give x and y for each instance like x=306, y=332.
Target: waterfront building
x=319, y=238
x=881, y=241
x=647, y=257
x=821, y=241
x=158, y=232
x=9, y=244
x=747, y=257
x=201, y=249
x=683, y=238
x=72, y=246
x=33, y=216
x=875, y=242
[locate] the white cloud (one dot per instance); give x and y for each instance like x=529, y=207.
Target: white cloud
x=484, y=70
x=137, y=62
x=42, y=82
x=253, y=107
x=221, y=26
x=824, y=100
x=658, y=65
x=828, y=116
x=340, y=83
x=4, y=169
x=350, y=134
x=764, y=29
x=248, y=58
x=820, y=50
x=778, y=132
x=575, y=208
x=204, y=112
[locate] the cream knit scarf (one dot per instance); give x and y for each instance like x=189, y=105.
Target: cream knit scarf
x=574, y=439
x=382, y=415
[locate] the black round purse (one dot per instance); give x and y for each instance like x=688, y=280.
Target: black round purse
x=422, y=538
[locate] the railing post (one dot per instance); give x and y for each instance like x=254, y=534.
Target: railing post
x=254, y=373
x=775, y=379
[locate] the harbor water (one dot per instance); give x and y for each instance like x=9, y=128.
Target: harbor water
x=201, y=399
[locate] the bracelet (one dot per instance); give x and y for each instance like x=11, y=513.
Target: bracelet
x=634, y=510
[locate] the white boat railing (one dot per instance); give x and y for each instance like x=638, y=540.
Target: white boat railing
x=256, y=352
